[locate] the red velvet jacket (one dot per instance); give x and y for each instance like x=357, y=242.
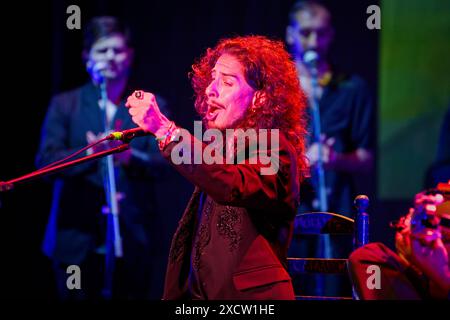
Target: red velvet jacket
x=241, y=242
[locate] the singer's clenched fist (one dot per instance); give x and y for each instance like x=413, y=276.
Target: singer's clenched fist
x=145, y=112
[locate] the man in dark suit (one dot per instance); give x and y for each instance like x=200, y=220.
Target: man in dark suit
x=76, y=229
x=232, y=241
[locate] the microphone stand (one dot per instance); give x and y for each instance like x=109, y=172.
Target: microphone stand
x=8, y=185
x=113, y=238
x=323, y=248
x=323, y=203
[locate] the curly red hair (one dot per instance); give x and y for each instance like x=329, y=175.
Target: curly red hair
x=269, y=69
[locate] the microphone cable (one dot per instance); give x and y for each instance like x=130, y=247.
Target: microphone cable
x=73, y=154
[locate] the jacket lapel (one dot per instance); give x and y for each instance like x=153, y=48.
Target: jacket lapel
x=176, y=282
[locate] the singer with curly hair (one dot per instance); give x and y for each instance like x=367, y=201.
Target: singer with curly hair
x=232, y=240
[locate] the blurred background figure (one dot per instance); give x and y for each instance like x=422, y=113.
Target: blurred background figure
x=76, y=228
x=342, y=125
x=345, y=108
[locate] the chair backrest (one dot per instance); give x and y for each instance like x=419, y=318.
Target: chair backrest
x=305, y=260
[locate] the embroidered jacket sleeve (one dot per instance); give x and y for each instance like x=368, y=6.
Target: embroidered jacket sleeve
x=245, y=184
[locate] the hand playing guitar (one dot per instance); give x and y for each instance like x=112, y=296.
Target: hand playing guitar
x=419, y=243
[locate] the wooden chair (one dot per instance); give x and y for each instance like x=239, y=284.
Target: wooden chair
x=329, y=226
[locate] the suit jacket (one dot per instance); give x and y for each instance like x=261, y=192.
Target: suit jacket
x=76, y=225
x=236, y=229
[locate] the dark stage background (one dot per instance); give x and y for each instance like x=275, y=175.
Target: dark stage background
x=43, y=57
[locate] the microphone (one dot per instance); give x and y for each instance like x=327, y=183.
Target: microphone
x=310, y=58
x=128, y=135
x=97, y=70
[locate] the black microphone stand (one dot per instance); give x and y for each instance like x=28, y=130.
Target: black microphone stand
x=323, y=248
x=323, y=203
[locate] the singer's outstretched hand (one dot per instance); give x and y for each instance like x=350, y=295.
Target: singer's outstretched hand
x=145, y=112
